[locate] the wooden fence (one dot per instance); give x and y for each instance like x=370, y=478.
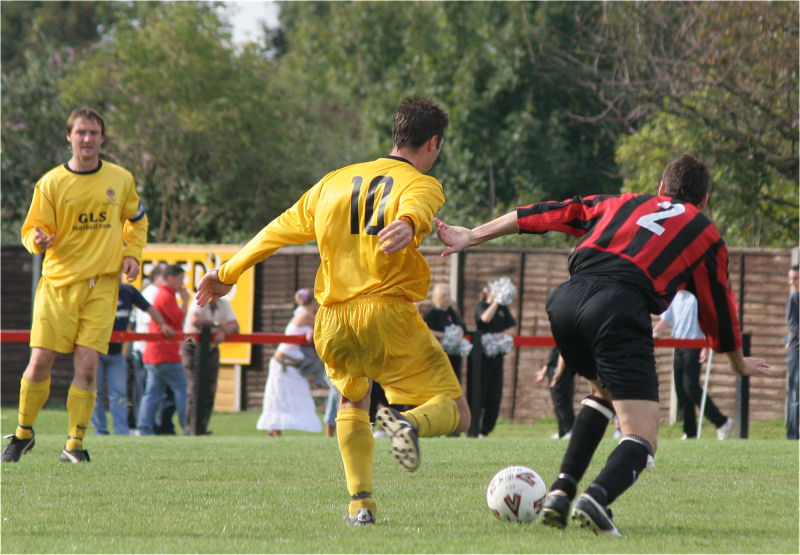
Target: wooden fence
x=758, y=277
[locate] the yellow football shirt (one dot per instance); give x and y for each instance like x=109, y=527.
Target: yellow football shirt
x=344, y=212
x=97, y=219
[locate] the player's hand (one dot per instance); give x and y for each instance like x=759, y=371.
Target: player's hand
x=41, y=239
x=211, y=288
x=753, y=366
x=130, y=267
x=560, y=369
x=167, y=331
x=396, y=236
x=456, y=238
x=539, y=376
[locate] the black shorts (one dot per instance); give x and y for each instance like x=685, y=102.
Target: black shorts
x=604, y=332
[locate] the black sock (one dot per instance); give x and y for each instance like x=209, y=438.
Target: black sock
x=590, y=427
x=623, y=467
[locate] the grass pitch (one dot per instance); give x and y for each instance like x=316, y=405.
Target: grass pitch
x=238, y=491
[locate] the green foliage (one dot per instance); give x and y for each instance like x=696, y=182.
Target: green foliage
x=510, y=141
x=33, y=132
x=238, y=491
x=721, y=82
x=547, y=100
x=184, y=118
x=218, y=139
x=39, y=26
x=750, y=204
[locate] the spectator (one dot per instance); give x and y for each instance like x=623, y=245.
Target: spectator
x=162, y=360
x=440, y=316
x=636, y=252
x=561, y=381
x=681, y=315
x=288, y=404
x=219, y=316
x=112, y=370
x=166, y=407
x=792, y=385
x=493, y=320
x=331, y=408
x=142, y=325
x=86, y=217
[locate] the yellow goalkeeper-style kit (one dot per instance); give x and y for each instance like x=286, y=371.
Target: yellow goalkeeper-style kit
x=97, y=219
x=344, y=212
x=365, y=328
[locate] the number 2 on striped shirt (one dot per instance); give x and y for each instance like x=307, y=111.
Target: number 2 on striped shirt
x=650, y=221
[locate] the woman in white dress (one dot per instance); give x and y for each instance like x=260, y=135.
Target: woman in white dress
x=288, y=404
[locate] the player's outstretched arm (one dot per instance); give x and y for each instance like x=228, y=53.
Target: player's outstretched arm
x=456, y=238
x=747, y=366
x=211, y=288
x=459, y=238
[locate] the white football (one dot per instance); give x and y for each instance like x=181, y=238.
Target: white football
x=516, y=493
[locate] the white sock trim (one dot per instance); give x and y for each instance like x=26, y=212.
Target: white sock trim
x=651, y=460
x=599, y=407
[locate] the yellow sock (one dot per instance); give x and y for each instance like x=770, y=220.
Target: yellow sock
x=356, y=445
x=80, y=404
x=437, y=417
x=363, y=503
x=32, y=397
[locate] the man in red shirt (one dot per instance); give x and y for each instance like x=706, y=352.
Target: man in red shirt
x=162, y=359
x=636, y=251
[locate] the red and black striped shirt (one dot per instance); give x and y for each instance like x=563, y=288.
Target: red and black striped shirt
x=657, y=245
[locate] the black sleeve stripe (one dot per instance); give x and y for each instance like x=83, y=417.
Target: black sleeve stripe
x=620, y=220
x=724, y=319
x=678, y=246
x=139, y=214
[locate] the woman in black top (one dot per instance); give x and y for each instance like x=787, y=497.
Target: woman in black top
x=441, y=315
x=491, y=317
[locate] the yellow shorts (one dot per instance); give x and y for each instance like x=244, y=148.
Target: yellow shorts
x=76, y=314
x=386, y=340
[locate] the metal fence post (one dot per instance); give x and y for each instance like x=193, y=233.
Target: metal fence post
x=741, y=413
x=200, y=385
x=474, y=383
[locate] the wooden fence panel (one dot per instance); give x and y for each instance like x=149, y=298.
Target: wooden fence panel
x=758, y=277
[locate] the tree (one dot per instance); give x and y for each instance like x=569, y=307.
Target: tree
x=33, y=132
x=547, y=100
x=41, y=43
x=209, y=133
x=511, y=140
x=719, y=79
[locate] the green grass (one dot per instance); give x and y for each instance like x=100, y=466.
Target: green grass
x=238, y=491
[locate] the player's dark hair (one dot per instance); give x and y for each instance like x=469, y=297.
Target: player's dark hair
x=173, y=270
x=88, y=113
x=417, y=119
x=687, y=179
x=158, y=270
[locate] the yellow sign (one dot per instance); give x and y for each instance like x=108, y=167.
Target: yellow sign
x=197, y=260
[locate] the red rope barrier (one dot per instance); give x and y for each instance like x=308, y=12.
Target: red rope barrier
x=261, y=338
x=23, y=336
